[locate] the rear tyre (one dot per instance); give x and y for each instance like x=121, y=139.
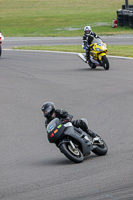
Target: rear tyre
x=93, y=66
x=105, y=62
x=74, y=155
x=101, y=149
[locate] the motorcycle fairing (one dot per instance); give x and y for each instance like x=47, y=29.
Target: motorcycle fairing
x=80, y=137
x=54, y=130
x=101, y=55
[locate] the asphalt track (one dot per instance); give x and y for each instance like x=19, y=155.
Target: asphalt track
x=24, y=41
x=33, y=169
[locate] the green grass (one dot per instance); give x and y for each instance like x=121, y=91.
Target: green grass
x=116, y=50
x=121, y=50
x=62, y=18
x=56, y=17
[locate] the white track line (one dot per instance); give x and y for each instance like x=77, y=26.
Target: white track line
x=45, y=51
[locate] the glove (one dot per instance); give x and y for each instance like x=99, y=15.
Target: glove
x=63, y=121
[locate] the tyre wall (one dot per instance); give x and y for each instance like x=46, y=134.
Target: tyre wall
x=125, y=18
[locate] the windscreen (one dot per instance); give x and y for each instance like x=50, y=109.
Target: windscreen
x=52, y=124
x=96, y=40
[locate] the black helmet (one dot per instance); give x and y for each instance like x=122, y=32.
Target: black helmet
x=48, y=108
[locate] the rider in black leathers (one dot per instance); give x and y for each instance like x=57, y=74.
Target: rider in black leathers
x=87, y=40
x=50, y=113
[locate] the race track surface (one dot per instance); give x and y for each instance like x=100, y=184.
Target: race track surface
x=33, y=169
x=36, y=41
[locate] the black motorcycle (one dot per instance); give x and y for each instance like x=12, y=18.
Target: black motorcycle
x=73, y=142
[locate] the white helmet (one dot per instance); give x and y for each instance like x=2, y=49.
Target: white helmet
x=87, y=30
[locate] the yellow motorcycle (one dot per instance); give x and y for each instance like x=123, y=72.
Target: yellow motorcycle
x=98, y=57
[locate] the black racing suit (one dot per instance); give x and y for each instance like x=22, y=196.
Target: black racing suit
x=66, y=117
x=87, y=40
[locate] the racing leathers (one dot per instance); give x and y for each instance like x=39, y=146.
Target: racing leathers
x=87, y=40
x=66, y=117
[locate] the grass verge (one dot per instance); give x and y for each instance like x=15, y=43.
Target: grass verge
x=59, y=17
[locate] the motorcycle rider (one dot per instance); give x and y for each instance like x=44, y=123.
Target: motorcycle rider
x=87, y=39
x=1, y=36
x=1, y=39
x=49, y=111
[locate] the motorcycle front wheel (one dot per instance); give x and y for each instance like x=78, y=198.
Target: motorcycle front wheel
x=74, y=155
x=105, y=62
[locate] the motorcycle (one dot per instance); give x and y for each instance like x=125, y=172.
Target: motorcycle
x=73, y=142
x=98, y=51
x=1, y=39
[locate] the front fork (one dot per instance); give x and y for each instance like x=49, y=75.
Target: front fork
x=66, y=141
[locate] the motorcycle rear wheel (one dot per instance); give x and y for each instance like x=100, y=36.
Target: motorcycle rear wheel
x=100, y=149
x=74, y=155
x=93, y=66
x=105, y=62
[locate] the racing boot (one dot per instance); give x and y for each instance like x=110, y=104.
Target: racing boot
x=94, y=136
x=90, y=63
x=87, y=55
x=85, y=128
x=91, y=133
x=88, y=59
x=81, y=124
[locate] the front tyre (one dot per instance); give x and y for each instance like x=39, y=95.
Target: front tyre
x=74, y=155
x=105, y=62
x=101, y=148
